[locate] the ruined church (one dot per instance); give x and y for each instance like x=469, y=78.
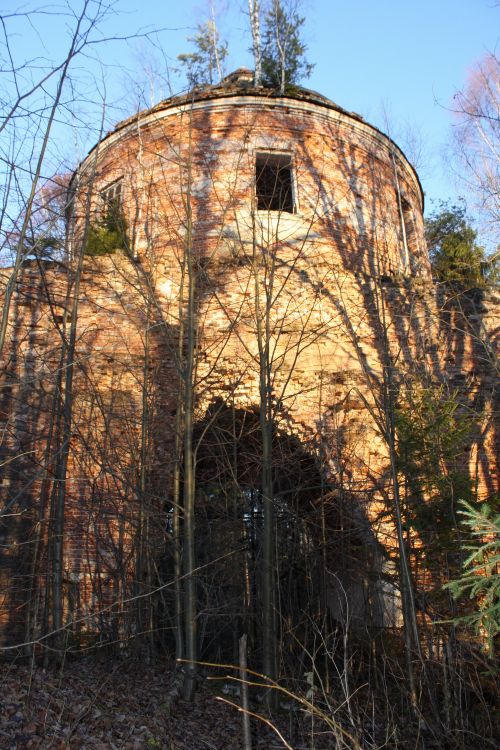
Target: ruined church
x=270, y=250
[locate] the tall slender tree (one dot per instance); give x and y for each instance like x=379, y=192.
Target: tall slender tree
x=476, y=137
x=283, y=51
x=254, y=15
x=205, y=65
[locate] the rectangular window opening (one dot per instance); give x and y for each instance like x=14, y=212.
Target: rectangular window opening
x=111, y=218
x=111, y=201
x=406, y=231
x=274, y=183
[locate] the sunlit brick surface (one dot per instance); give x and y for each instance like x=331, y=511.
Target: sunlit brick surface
x=347, y=286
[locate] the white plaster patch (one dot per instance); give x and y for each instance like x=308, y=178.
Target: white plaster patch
x=165, y=287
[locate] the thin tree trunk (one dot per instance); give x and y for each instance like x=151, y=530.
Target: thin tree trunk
x=189, y=557
x=178, y=446
x=218, y=64
x=62, y=463
x=55, y=423
x=254, y=11
x=20, y=250
x=176, y=532
x=60, y=473
x=280, y=44
x=269, y=635
x=262, y=317
x=247, y=736
x=142, y=521
x=410, y=625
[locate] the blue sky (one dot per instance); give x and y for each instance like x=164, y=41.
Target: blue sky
x=407, y=58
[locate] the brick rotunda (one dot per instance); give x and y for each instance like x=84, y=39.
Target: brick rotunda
x=269, y=250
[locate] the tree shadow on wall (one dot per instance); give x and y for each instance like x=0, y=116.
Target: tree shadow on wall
x=27, y=405
x=416, y=327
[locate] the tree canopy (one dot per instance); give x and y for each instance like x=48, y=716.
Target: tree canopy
x=283, y=52
x=477, y=138
x=204, y=64
x=456, y=257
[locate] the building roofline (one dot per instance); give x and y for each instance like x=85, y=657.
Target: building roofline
x=240, y=84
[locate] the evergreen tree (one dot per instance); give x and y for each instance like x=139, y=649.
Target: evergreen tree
x=204, y=66
x=283, y=54
x=480, y=580
x=456, y=257
x=432, y=432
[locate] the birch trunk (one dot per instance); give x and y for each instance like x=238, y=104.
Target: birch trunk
x=254, y=12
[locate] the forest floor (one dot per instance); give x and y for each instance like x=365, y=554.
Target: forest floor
x=95, y=704
x=109, y=703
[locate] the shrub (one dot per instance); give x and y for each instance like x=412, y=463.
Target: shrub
x=108, y=235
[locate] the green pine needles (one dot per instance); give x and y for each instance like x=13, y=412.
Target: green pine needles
x=456, y=258
x=480, y=580
x=283, y=52
x=204, y=66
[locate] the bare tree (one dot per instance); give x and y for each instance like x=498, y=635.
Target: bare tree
x=80, y=35
x=477, y=138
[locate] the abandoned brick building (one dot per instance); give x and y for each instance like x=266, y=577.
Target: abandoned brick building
x=296, y=230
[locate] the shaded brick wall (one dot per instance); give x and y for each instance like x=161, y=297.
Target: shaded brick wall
x=341, y=303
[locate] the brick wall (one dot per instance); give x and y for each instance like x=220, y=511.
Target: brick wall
x=332, y=281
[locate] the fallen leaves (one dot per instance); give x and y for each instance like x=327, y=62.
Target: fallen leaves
x=98, y=704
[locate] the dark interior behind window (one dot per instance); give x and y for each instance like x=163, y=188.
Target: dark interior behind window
x=274, y=182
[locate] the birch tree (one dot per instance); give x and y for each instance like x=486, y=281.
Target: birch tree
x=254, y=16
x=476, y=135
x=205, y=65
x=283, y=52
